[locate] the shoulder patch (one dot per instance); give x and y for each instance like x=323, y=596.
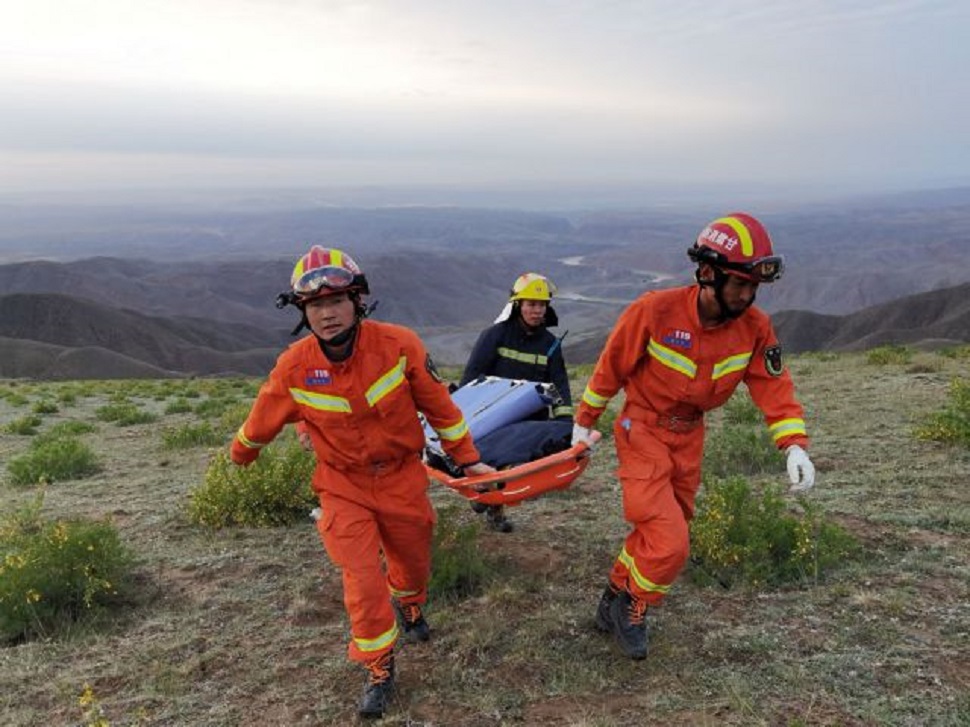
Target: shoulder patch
x=429, y=365
x=773, y=363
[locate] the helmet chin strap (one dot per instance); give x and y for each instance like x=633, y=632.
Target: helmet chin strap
x=720, y=279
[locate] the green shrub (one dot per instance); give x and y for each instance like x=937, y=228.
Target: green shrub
x=67, y=396
x=52, y=460
x=44, y=407
x=57, y=572
x=191, y=435
x=232, y=418
x=17, y=399
x=274, y=490
x=25, y=426
x=179, y=406
x=84, y=388
x=890, y=354
x=68, y=429
x=212, y=407
x=955, y=352
x=928, y=366
x=741, y=450
x=952, y=425
x=124, y=414
x=740, y=535
x=458, y=568
x=168, y=388
x=740, y=409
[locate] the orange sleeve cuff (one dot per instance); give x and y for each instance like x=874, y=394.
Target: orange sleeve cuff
x=241, y=454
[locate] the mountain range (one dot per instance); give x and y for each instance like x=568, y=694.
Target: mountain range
x=193, y=290
x=65, y=337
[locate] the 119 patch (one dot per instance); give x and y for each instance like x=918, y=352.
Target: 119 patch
x=773, y=362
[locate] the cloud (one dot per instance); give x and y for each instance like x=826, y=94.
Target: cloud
x=439, y=91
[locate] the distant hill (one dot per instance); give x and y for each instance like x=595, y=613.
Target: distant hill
x=25, y=359
x=416, y=289
x=201, y=300
x=63, y=337
x=446, y=266
x=182, y=344
x=934, y=318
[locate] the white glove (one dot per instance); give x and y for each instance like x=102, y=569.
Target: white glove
x=801, y=471
x=582, y=434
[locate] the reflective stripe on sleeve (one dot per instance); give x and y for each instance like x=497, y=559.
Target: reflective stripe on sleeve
x=594, y=400
x=455, y=432
x=786, y=428
x=247, y=442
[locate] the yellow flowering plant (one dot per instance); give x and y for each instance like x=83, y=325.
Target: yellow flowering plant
x=56, y=572
x=740, y=534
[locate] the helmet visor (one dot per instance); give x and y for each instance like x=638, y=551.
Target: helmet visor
x=766, y=270
x=330, y=277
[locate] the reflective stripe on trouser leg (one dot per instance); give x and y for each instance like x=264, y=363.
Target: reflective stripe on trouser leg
x=350, y=534
x=660, y=472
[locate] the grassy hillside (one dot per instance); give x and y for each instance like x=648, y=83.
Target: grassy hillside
x=246, y=626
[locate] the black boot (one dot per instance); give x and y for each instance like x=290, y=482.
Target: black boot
x=628, y=624
x=497, y=520
x=378, y=687
x=412, y=621
x=603, y=622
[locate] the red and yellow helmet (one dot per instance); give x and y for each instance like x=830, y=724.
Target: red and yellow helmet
x=739, y=245
x=532, y=286
x=326, y=271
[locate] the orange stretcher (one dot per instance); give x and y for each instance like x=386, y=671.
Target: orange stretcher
x=523, y=482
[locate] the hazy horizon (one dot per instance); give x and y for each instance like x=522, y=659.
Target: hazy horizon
x=179, y=96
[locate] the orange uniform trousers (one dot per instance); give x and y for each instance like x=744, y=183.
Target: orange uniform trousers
x=377, y=526
x=660, y=473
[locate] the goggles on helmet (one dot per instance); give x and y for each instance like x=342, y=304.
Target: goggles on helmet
x=329, y=277
x=765, y=270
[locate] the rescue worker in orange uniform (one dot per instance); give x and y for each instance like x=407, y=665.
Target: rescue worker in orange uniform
x=519, y=345
x=358, y=386
x=676, y=354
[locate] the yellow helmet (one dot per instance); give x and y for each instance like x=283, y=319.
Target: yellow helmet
x=532, y=286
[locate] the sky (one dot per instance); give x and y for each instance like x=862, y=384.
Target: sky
x=154, y=94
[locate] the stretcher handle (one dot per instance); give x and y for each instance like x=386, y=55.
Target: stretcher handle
x=576, y=452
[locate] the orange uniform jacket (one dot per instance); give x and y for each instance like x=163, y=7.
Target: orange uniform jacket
x=361, y=413
x=669, y=364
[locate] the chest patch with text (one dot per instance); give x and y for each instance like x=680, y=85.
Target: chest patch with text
x=677, y=338
x=317, y=377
